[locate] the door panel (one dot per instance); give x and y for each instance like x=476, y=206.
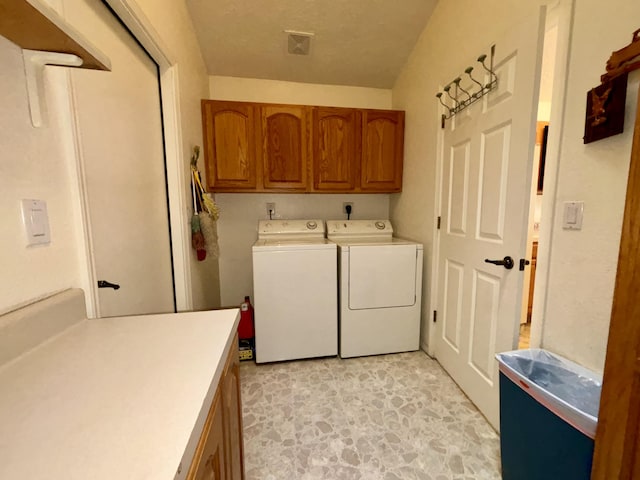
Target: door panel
x=229, y=135
x=458, y=188
x=494, y=165
x=484, y=316
x=487, y=160
x=453, y=295
x=285, y=146
x=335, y=155
x=119, y=126
x=382, y=150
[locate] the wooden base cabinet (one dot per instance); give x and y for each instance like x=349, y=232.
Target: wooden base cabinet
x=219, y=454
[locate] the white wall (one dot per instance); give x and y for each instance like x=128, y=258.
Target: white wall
x=239, y=213
x=34, y=164
x=456, y=33
x=275, y=91
x=583, y=263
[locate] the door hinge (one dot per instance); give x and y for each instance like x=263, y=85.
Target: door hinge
x=435, y=316
x=439, y=222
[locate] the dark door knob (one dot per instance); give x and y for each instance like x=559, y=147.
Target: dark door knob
x=506, y=262
x=105, y=284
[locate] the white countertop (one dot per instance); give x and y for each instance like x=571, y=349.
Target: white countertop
x=115, y=398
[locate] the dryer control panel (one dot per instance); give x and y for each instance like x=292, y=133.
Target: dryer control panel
x=359, y=228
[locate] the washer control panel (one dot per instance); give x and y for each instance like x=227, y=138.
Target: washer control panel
x=290, y=228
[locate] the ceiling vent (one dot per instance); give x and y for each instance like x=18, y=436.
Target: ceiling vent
x=298, y=43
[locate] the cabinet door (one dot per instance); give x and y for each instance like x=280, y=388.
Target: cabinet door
x=232, y=414
x=382, y=150
x=285, y=147
x=209, y=461
x=335, y=150
x=229, y=145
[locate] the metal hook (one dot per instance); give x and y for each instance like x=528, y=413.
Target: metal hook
x=439, y=95
x=468, y=72
x=457, y=82
x=481, y=59
x=455, y=100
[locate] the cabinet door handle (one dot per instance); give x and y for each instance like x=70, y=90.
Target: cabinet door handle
x=106, y=284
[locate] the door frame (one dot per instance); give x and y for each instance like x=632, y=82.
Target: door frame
x=565, y=15
x=141, y=28
x=618, y=434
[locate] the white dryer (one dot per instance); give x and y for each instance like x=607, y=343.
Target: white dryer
x=380, y=285
x=295, y=291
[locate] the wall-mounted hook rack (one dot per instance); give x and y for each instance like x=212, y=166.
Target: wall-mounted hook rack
x=472, y=95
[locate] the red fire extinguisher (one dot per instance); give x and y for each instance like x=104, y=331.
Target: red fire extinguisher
x=245, y=328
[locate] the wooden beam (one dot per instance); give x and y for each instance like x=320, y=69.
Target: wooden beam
x=617, y=444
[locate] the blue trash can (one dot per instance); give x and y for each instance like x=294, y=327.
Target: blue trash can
x=548, y=416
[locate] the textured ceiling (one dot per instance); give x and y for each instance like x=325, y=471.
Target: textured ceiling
x=356, y=42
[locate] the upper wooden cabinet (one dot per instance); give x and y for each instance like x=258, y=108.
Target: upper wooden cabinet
x=335, y=152
x=284, y=149
x=254, y=147
x=382, y=150
x=229, y=145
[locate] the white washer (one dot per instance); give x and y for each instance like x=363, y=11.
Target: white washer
x=380, y=285
x=295, y=291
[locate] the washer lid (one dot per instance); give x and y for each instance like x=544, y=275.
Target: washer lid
x=337, y=229
x=272, y=244
x=290, y=229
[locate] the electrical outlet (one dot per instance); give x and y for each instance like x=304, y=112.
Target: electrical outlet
x=344, y=207
x=271, y=209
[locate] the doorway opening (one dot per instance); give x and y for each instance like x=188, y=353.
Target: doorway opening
x=537, y=178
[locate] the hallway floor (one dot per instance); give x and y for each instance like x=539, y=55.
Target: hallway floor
x=389, y=417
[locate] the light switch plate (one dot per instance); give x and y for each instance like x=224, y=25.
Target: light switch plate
x=36, y=222
x=572, y=215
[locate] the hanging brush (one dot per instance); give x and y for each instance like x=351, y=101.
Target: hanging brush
x=197, y=238
x=208, y=210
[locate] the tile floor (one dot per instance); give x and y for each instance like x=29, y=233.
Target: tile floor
x=390, y=417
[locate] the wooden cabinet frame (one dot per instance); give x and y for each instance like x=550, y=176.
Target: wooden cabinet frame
x=220, y=450
x=617, y=444
x=301, y=148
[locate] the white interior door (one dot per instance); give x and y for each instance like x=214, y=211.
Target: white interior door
x=120, y=134
x=486, y=174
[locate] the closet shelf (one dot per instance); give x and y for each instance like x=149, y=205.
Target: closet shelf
x=33, y=25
